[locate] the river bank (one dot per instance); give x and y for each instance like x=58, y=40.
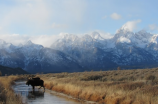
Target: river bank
x=7, y=95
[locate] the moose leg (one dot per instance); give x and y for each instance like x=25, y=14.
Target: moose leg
x=44, y=88
x=33, y=87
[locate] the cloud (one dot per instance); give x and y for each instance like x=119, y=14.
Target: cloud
x=153, y=27
x=45, y=40
x=27, y=14
x=131, y=25
x=59, y=26
x=16, y=39
x=115, y=16
x=40, y=16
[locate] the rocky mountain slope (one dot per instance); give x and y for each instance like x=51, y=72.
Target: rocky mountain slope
x=124, y=49
x=36, y=58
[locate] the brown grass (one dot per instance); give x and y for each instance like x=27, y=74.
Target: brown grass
x=7, y=95
x=108, y=87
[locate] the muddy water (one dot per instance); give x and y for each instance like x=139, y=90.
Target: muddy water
x=41, y=97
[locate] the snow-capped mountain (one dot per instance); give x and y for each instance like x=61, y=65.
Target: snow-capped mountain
x=36, y=58
x=140, y=39
x=88, y=52
x=125, y=48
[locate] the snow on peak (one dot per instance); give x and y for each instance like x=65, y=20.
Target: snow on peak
x=30, y=46
x=154, y=39
x=68, y=37
x=143, y=35
x=124, y=29
x=124, y=40
x=87, y=38
x=143, y=32
x=96, y=35
x=124, y=33
x=140, y=39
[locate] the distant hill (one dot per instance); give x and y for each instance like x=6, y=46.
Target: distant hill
x=7, y=70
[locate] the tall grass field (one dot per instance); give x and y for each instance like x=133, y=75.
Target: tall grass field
x=139, y=86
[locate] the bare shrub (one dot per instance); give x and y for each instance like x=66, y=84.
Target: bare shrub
x=150, y=77
x=122, y=79
x=104, y=79
x=91, y=77
x=131, y=78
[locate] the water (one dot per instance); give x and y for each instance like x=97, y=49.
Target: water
x=39, y=96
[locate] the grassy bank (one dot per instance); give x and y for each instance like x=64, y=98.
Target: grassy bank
x=7, y=95
x=109, y=87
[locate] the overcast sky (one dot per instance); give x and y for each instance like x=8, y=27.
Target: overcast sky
x=45, y=18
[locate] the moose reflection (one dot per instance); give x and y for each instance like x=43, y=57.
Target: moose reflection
x=35, y=82
x=35, y=94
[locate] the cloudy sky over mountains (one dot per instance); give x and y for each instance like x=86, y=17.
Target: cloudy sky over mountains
x=42, y=20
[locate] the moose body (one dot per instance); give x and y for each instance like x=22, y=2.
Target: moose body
x=35, y=82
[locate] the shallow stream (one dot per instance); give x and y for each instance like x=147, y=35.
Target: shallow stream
x=41, y=97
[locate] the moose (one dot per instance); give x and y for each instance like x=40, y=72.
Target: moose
x=36, y=81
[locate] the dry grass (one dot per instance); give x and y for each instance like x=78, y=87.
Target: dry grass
x=108, y=87
x=7, y=95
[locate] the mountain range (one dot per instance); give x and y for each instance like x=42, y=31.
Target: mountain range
x=72, y=53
